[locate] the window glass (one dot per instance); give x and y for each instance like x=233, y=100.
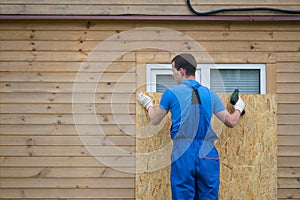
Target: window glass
x=222, y=78
x=226, y=80
x=163, y=82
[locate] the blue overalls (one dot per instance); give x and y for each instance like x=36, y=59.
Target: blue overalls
x=195, y=164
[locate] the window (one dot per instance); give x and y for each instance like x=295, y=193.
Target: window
x=159, y=77
x=222, y=78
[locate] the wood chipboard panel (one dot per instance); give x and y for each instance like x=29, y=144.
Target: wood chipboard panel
x=247, y=152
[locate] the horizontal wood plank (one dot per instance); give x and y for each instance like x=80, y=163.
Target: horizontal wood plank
x=288, y=140
x=288, y=98
x=288, y=109
x=67, y=193
x=290, y=183
x=132, y=198
x=147, y=57
x=63, y=172
x=67, y=119
x=288, y=193
x=126, y=46
x=67, y=77
x=56, y=35
x=97, y=9
x=138, y=2
x=63, y=56
x=288, y=172
x=74, y=88
x=287, y=57
x=68, y=130
x=94, y=35
x=288, y=150
x=222, y=57
x=288, y=67
x=86, y=9
x=71, y=151
x=75, y=183
x=68, y=108
x=288, y=129
x=101, y=140
x=292, y=161
x=289, y=119
x=288, y=88
x=65, y=98
x=84, y=25
x=114, y=161
x=285, y=77
x=96, y=67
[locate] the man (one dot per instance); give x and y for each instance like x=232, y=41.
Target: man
x=195, y=164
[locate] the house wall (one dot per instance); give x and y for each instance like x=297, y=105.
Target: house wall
x=42, y=153
x=139, y=7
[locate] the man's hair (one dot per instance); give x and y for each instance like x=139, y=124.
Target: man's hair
x=185, y=61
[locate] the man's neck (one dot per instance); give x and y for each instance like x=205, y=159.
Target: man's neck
x=191, y=77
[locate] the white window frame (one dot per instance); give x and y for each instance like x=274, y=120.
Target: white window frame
x=152, y=70
x=202, y=74
x=206, y=68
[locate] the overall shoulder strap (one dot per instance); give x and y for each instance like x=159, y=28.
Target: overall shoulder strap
x=196, y=97
x=195, y=94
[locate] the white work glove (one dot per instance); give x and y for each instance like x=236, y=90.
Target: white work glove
x=145, y=101
x=240, y=105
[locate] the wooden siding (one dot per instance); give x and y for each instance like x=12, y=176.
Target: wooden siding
x=288, y=79
x=41, y=154
x=137, y=7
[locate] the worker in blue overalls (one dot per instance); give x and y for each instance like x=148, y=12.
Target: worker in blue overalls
x=195, y=168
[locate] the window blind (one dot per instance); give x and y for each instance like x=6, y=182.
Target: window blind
x=163, y=82
x=226, y=80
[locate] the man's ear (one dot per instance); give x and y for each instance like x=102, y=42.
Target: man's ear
x=182, y=71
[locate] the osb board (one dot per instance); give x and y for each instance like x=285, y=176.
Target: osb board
x=247, y=152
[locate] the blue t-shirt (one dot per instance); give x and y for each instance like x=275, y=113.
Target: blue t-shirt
x=177, y=100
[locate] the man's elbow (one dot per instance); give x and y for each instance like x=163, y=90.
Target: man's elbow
x=155, y=122
x=230, y=124
x=156, y=116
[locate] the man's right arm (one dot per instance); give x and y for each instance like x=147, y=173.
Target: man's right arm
x=231, y=120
